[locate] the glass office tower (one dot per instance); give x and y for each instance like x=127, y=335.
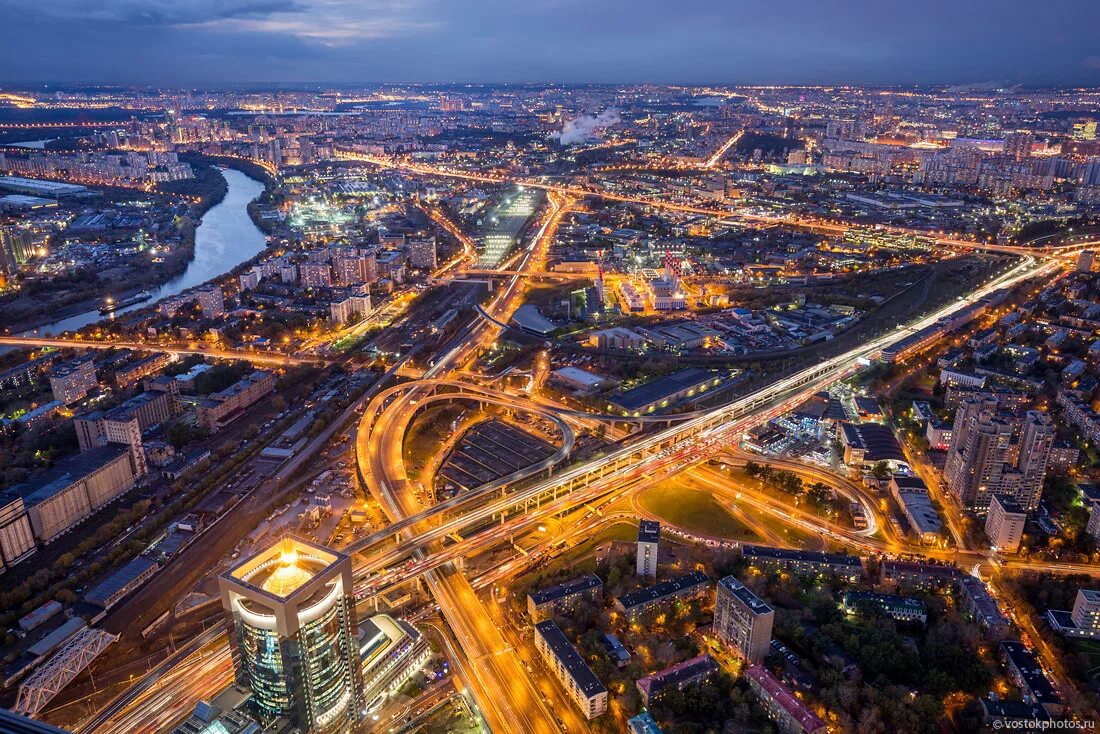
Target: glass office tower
x=293, y=628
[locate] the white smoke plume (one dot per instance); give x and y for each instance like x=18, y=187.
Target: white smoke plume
x=586, y=128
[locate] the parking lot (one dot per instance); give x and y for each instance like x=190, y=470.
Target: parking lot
x=488, y=452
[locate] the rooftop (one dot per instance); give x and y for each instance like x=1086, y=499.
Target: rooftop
x=649, y=531
x=779, y=693
x=783, y=554
x=876, y=439
x=688, y=670
x=285, y=567
x=663, y=387
x=567, y=588
x=570, y=659
x=656, y=592
x=1033, y=676
x=745, y=595
x=1009, y=504
x=65, y=473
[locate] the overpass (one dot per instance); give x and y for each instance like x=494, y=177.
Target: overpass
x=677, y=445
x=530, y=275
x=269, y=358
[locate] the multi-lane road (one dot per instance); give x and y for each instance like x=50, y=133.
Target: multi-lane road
x=277, y=359
x=433, y=538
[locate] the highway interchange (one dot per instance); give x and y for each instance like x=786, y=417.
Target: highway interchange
x=432, y=542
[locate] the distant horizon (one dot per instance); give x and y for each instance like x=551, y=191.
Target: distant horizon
x=306, y=86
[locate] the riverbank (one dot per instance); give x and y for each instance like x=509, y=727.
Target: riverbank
x=223, y=240
x=209, y=187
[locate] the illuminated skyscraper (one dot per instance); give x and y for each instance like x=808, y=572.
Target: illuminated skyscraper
x=293, y=626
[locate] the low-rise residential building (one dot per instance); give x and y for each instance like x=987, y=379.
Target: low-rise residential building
x=643, y=723
x=789, y=712
x=974, y=597
x=919, y=575
x=688, y=673
x=580, y=682
x=559, y=598
x=222, y=408
x=901, y=608
x=127, y=375
x=682, y=587
x=805, y=562
x=1026, y=672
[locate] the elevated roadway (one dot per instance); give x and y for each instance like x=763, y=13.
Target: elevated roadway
x=269, y=358
x=681, y=445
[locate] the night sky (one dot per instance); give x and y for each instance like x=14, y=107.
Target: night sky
x=210, y=42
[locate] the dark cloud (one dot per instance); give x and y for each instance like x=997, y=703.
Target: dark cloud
x=150, y=12
x=348, y=41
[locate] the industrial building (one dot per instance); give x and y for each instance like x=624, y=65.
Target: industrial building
x=664, y=392
x=911, y=494
x=16, y=535
x=62, y=496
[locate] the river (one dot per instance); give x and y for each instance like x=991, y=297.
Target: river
x=226, y=237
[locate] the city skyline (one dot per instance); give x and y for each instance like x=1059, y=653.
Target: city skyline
x=552, y=41
x=566, y=408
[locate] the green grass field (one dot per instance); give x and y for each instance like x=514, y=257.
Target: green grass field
x=694, y=511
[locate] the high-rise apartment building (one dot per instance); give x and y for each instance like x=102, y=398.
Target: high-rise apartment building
x=293, y=628
x=1033, y=457
x=422, y=254
x=15, y=248
x=1018, y=144
x=211, y=300
x=315, y=274
x=994, y=452
x=1004, y=525
x=1086, y=612
x=742, y=620
x=649, y=538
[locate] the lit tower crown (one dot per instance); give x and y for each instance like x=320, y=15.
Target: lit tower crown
x=291, y=610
